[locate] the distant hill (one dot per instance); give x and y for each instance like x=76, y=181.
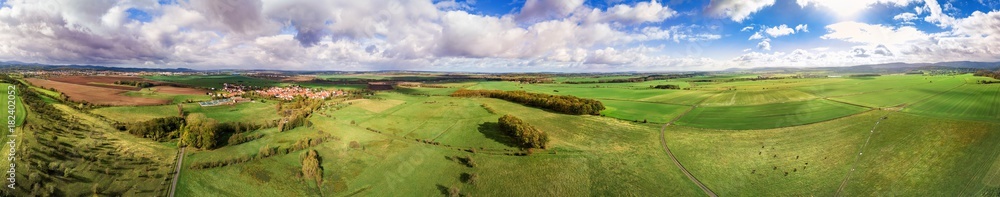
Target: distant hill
x=16, y=65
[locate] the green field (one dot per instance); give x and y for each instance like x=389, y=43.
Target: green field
x=767, y=115
x=971, y=102
x=756, y=97
x=639, y=111
x=906, y=156
x=212, y=81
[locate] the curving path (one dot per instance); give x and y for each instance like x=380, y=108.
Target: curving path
x=663, y=141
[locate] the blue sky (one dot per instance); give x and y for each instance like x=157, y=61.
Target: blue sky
x=498, y=36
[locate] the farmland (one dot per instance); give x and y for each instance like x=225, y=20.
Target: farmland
x=783, y=137
x=95, y=95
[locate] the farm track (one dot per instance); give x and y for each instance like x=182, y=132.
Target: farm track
x=663, y=141
x=177, y=173
x=852, y=104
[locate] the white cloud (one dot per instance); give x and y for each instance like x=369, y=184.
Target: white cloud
x=747, y=28
x=936, y=15
x=872, y=34
x=778, y=31
x=756, y=36
x=338, y=34
x=802, y=28
x=853, y=4
x=764, y=44
x=538, y=10
x=641, y=12
x=736, y=10
x=905, y=16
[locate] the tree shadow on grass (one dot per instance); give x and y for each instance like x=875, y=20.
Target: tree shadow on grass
x=492, y=130
x=443, y=189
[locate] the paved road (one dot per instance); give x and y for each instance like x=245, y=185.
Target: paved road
x=177, y=172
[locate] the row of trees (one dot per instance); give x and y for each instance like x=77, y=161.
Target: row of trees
x=264, y=152
x=526, y=135
x=668, y=86
x=140, y=84
x=559, y=103
x=986, y=73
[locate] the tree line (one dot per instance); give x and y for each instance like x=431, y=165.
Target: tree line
x=559, y=103
x=525, y=135
x=140, y=84
x=668, y=86
x=986, y=73
x=33, y=100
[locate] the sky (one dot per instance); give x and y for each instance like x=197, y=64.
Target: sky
x=499, y=35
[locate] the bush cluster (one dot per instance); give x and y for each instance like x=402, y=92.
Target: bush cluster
x=526, y=135
x=140, y=84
